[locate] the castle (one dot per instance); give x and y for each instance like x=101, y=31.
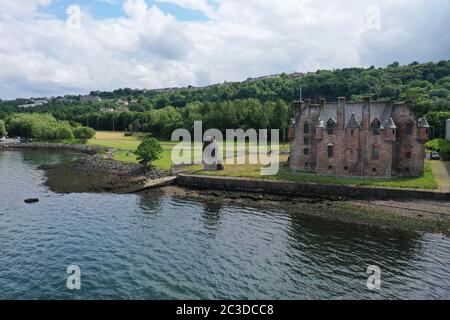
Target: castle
x=368, y=139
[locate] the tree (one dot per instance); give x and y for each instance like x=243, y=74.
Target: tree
x=84, y=133
x=64, y=133
x=148, y=151
x=2, y=129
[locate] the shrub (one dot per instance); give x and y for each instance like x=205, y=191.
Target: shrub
x=440, y=145
x=2, y=129
x=36, y=126
x=84, y=133
x=64, y=133
x=435, y=144
x=148, y=151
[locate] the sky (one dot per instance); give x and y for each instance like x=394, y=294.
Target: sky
x=58, y=47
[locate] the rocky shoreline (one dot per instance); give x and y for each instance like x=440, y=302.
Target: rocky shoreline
x=82, y=148
x=96, y=174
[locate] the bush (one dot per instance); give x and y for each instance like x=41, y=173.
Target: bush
x=2, y=129
x=36, y=126
x=84, y=133
x=64, y=133
x=440, y=145
x=148, y=151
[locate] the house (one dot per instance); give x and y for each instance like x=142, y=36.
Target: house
x=89, y=98
x=106, y=110
x=374, y=139
x=34, y=103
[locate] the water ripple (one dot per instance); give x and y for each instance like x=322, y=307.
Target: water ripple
x=157, y=246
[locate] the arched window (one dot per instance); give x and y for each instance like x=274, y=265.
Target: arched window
x=375, y=152
x=330, y=126
x=409, y=128
x=306, y=128
x=375, y=127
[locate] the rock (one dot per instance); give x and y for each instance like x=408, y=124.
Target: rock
x=31, y=200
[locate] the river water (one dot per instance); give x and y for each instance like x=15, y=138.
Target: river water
x=163, y=246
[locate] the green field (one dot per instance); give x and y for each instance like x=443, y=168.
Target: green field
x=124, y=146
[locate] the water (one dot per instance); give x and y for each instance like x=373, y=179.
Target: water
x=162, y=246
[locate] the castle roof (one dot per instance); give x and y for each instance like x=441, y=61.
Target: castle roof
x=423, y=123
x=353, y=123
x=390, y=124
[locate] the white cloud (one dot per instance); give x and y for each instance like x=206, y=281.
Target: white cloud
x=43, y=55
x=21, y=8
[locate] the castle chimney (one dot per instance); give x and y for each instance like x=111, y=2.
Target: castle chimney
x=341, y=112
x=365, y=124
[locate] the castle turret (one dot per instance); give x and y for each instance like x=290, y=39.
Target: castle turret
x=424, y=130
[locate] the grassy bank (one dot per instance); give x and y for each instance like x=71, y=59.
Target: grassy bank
x=285, y=174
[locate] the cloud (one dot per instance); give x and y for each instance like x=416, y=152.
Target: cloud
x=148, y=48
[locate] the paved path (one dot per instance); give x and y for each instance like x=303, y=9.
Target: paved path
x=441, y=172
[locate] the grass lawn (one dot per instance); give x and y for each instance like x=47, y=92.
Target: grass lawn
x=285, y=174
x=124, y=147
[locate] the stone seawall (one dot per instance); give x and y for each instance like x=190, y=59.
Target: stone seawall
x=308, y=190
x=88, y=149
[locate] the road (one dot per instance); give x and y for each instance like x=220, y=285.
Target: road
x=441, y=172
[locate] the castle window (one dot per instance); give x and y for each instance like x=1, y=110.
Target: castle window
x=409, y=128
x=330, y=167
x=375, y=127
x=306, y=152
x=330, y=151
x=306, y=140
x=306, y=128
x=374, y=170
x=330, y=126
x=375, y=152
x=345, y=168
x=408, y=155
x=306, y=164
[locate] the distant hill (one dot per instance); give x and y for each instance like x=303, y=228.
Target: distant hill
x=427, y=84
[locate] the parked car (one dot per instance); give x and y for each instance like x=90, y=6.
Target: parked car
x=435, y=155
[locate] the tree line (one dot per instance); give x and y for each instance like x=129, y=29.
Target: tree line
x=252, y=103
x=45, y=127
